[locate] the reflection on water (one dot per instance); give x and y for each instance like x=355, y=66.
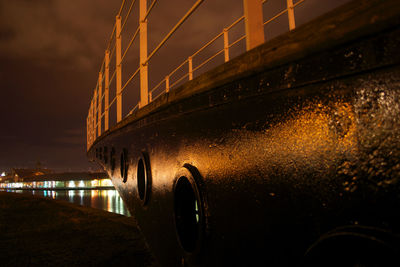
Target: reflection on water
x=108, y=200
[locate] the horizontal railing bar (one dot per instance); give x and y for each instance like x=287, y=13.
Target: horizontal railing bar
x=180, y=66
x=102, y=115
x=112, y=51
x=149, y=10
x=234, y=23
x=158, y=85
x=130, y=112
x=180, y=22
x=130, y=43
x=198, y=51
x=160, y=94
x=208, y=60
x=102, y=96
x=180, y=79
x=207, y=44
x=120, y=9
x=130, y=79
x=112, y=102
x=112, y=78
x=102, y=65
x=95, y=89
x=127, y=15
x=111, y=38
x=102, y=77
x=237, y=41
x=276, y=16
x=298, y=3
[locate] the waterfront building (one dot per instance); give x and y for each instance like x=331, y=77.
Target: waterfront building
x=19, y=175
x=57, y=181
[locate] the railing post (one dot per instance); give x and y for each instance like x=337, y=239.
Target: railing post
x=150, y=97
x=118, y=67
x=92, y=121
x=290, y=9
x=106, y=89
x=90, y=124
x=190, y=61
x=253, y=17
x=88, y=129
x=144, y=84
x=95, y=106
x=226, y=45
x=167, y=84
x=99, y=102
x=87, y=133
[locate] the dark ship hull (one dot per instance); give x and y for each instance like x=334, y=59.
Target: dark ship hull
x=284, y=156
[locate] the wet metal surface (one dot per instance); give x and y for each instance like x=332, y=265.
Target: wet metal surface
x=278, y=159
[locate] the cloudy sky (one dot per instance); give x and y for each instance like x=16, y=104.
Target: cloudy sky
x=50, y=55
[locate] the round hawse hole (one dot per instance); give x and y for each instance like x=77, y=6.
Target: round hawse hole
x=143, y=178
x=187, y=214
x=124, y=165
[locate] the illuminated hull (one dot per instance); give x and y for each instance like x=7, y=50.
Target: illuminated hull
x=301, y=158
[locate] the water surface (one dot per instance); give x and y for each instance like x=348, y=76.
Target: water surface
x=108, y=199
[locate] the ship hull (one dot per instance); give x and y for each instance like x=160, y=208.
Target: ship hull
x=273, y=165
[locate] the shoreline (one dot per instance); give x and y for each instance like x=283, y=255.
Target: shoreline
x=40, y=231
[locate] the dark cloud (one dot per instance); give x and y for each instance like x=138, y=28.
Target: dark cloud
x=54, y=30
x=6, y=34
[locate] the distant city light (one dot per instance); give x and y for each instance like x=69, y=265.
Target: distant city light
x=88, y=184
x=3, y=174
x=95, y=183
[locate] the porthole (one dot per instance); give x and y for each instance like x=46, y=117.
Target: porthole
x=188, y=208
x=143, y=178
x=124, y=165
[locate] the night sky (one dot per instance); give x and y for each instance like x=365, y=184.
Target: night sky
x=50, y=55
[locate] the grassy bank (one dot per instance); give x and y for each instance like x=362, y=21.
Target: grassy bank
x=37, y=231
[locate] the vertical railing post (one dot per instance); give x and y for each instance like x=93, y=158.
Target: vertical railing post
x=226, y=45
x=88, y=129
x=95, y=106
x=253, y=17
x=150, y=97
x=144, y=90
x=190, y=61
x=167, y=84
x=91, y=121
x=106, y=88
x=90, y=124
x=89, y=136
x=118, y=67
x=87, y=133
x=99, y=103
x=290, y=9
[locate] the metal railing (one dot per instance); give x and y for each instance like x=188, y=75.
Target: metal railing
x=254, y=36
